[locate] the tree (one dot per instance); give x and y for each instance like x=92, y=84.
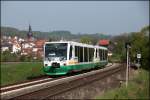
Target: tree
x=86, y=40
x=118, y=45
x=140, y=43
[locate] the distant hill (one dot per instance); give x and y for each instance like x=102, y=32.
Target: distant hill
x=54, y=35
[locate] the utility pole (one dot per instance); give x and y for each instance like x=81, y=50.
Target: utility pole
x=129, y=65
x=127, y=45
x=127, y=68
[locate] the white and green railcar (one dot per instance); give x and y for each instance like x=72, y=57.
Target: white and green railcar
x=63, y=57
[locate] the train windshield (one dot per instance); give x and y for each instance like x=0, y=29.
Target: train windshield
x=54, y=50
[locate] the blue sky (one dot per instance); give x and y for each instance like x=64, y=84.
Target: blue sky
x=108, y=17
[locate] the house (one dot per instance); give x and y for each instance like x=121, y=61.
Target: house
x=104, y=42
x=26, y=51
x=6, y=47
x=16, y=47
x=38, y=48
x=27, y=45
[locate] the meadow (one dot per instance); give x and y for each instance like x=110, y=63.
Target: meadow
x=20, y=71
x=138, y=88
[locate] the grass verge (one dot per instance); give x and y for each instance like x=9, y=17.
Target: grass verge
x=16, y=72
x=138, y=88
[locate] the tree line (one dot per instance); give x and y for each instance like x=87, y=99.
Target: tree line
x=52, y=36
x=139, y=44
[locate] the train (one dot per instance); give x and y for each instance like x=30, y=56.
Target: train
x=63, y=57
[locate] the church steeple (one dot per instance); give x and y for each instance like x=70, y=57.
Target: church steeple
x=29, y=34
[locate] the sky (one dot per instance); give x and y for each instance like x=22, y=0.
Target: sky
x=107, y=17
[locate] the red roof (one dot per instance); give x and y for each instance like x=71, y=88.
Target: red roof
x=104, y=42
x=40, y=43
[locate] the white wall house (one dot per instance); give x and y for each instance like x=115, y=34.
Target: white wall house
x=4, y=49
x=16, y=48
x=28, y=45
x=35, y=49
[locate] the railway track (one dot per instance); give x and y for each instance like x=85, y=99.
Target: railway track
x=15, y=90
x=46, y=88
x=12, y=87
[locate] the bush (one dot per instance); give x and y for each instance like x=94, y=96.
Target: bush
x=7, y=56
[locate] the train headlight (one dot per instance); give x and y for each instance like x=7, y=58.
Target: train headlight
x=46, y=65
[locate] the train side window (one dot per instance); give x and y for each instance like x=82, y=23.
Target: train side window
x=91, y=54
x=70, y=53
x=85, y=54
x=101, y=54
x=106, y=55
x=96, y=53
x=88, y=54
x=81, y=53
x=76, y=51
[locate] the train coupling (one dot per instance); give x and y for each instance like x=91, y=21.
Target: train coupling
x=55, y=65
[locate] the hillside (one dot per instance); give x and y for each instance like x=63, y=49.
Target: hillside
x=54, y=35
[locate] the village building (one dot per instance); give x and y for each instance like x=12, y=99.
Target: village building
x=39, y=48
x=105, y=43
x=6, y=47
x=16, y=47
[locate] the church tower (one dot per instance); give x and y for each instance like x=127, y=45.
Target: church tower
x=29, y=34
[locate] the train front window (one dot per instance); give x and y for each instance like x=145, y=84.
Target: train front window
x=54, y=50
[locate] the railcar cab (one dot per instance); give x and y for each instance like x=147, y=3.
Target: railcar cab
x=55, y=54
x=61, y=53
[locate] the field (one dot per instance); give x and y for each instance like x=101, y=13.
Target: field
x=19, y=71
x=138, y=88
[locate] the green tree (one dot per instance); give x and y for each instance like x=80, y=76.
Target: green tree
x=86, y=40
x=118, y=43
x=140, y=43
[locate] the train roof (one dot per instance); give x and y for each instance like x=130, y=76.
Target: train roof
x=78, y=44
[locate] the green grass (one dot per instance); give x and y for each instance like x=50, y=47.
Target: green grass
x=15, y=72
x=115, y=58
x=138, y=88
